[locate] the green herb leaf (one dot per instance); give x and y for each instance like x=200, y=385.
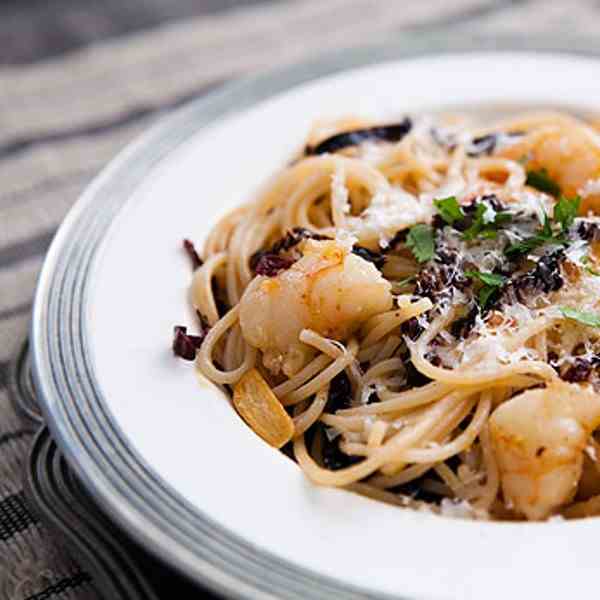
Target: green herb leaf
x=488, y=234
x=487, y=278
x=421, y=243
x=525, y=246
x=528, y=244
x=547, y=228
x=478, y=224
x=502, y=218
x=540, y=180
x=491, y=285
x=482, y=229
x=486, y=293
x=565, y=211
x=586, y=261
x=405, y=281
x=585, y=318
x=545, y=236
x=449, y=209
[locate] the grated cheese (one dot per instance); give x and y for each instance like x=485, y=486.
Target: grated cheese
x=389, y=212
x=339, y=191
x=591, y=452
x=591, y=188
x=461, y=509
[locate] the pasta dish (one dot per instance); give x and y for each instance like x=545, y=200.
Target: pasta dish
x=411, y=311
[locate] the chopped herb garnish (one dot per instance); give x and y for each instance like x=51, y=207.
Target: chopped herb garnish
x=525, y=246
x=541, y=180
x=406, y=281
x=491, y=285
x=528, y=244
x=478, y=224
x=592, y=271
x=563, y=217
x=502, y=218
x=547, y=227
x=481, y=228
x=421, y=243
x=449, y=209
x=585, y=318
x=488, y=234
x=485, y=295
x=565, y=211
x=487, y=278
x=586, y=261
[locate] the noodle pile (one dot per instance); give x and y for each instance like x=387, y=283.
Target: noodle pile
x=398, y=408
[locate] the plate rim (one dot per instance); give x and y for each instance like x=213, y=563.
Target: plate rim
x=61, y=363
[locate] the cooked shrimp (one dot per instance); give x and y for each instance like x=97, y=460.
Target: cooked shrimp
x=570, y=151
x=539, y=437
x=589, y=483
x=328, y=290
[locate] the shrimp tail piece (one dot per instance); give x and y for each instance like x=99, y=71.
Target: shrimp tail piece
x=539, y=437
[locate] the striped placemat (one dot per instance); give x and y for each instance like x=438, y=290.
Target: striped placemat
x=62, y=119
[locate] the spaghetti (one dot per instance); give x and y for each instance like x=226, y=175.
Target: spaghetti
x=422, y=298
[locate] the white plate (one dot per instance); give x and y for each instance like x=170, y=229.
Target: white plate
x=165, y=453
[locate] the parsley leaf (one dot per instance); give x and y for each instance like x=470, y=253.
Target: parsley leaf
x=502, y=218
x=527, y=245
x=586, y=261
x=487, y=278
x=421, y=243
x=481, y=228
x=540, y=180
x=547, y=228
x=478, y=224
x=449, y=209
x=565, y=211
x=491, y=285
x=585, y=318
x=485, y=295
x=406, y=281
x=545, y=236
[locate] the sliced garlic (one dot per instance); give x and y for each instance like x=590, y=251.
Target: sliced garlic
x=262, y=411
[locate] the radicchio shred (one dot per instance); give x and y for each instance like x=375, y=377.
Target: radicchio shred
x=544, y=277
x=333, y=457
x=486, y=144
x=581, y=369
x=588, y=231
x=272, y=264
x=388, y=133
x=186, y=345
x=340, y=392
x=190, y=249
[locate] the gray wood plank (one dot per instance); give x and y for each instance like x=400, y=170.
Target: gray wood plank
x=33, y=30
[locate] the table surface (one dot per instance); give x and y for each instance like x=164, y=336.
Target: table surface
x=79, y=80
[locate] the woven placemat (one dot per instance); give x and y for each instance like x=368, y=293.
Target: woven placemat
x=63, y=119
